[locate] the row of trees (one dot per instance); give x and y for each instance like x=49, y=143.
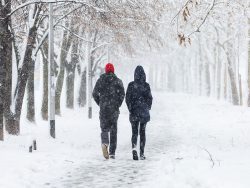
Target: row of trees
x=199, y=44
x=85, y=31
x=212, y=62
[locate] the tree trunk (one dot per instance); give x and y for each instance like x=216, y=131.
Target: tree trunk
x=207, y=72
x=89, y=75
x=218, y=77
x=231, y=61
x=231, y=73
x=13, y=120
x=183, y=80
x=151, y=75
x=60, y=79
x=184, y=77
x=70, y=71
x=8, y=59
x=31, y=95
x=70, y=81
x=170, y=79
x=208, y=82
x=8, y=81
x=1, y=117
x=248, y=101
x=200, y=69
x=187, y=76
x=190, y=79
x=2, y=83
x=82, y=99
x=238, y=73
x=44, y=109
x=213, y=73
x=157, y=75
x=240, y=90
x=2, y=67
x=225, y=81
x=5, y=62
x=196, y=73
x=14, y=123
x=163, y=78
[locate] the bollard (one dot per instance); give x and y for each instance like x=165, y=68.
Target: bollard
x=34, y=145
x=30, y=149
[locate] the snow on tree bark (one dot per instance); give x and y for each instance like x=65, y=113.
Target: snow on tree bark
x=83, y=89
x=70, y=72
x=44, y=109
x=66, y=43
x=89, y=75
x=231, y=60
x=8, y=55
x=200, y=68
x=235, y=96
x=207, y=78
x=13, y=120
x=248, y=101
x=30, y=94
x=5, y=62
x=218, y=73
x=225, y=81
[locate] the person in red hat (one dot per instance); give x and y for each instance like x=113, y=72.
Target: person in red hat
x=109, y=94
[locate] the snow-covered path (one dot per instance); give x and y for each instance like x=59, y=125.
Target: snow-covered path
x=192, y=142
x=123, y=171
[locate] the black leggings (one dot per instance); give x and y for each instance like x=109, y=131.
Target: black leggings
x=135, y=126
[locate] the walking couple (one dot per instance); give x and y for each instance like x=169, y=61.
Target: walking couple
x=109, y=94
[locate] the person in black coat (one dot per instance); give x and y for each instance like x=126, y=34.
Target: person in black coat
x=139, y=102
x=109, y=93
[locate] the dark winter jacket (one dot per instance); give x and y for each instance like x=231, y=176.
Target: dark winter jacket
x=108, y=94
x=138, y=97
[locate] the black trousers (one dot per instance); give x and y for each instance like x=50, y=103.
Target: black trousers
x=109, y=133
x=135, y=127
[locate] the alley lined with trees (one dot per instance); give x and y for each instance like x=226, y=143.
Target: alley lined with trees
x=197, y=49
x=196, y=57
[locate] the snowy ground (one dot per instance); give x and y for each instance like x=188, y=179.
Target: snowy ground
x=191, y=142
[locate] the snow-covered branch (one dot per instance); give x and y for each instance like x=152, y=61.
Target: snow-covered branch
x=204, y=19
x=76, y=35
x=56, y=1
x=210, y=156
x=55, y=24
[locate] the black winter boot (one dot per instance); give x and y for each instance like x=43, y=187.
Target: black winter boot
x=142, y=157
x=135, y=155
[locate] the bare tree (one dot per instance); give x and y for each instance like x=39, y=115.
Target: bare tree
x=5, y=61
x=70, y=71
x=31, y=94
x=44, y=109
x=248, y=101
x=66, y=43
x=13, y=120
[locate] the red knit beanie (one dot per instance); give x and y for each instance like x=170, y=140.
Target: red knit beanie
x=109, y=68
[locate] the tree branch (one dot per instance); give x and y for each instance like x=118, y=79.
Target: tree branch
x=204, y=20
x=54, y=1
x=55, y=24
x=210, y=156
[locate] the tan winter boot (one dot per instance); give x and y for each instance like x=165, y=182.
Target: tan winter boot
x=105, y=151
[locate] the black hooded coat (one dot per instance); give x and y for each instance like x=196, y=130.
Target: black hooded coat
x=139, y=97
